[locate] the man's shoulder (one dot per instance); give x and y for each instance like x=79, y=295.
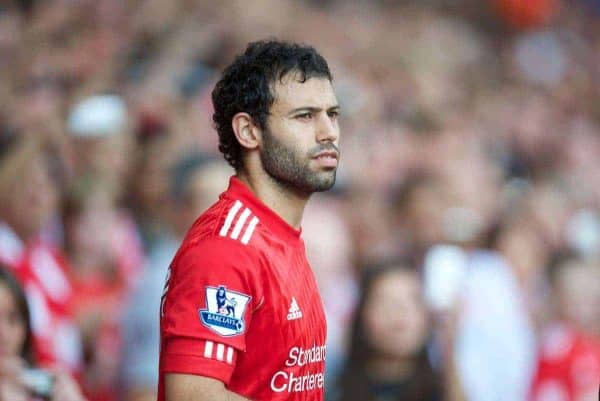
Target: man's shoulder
x=228, y=225
x=206, y=225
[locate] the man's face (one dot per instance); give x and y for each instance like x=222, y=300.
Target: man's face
x=300, y=143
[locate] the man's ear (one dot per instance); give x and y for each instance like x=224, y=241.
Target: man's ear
x=246, y=132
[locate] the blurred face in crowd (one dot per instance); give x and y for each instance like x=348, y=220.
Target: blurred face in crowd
x=205, y=186
x=10, y=32
x=107, y=158
x=521, y=245
x=93, y=253
x=300, y=143
x=424, y=212
x=395, y=316
x=200, y=192
x=39, y=193
x=12, y=324
x=151, y=177
x=33, y=197
x=577, y=289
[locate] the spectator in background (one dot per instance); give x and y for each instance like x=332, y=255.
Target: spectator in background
x=388, y=356
x=28, y=201
x=495, y=349
x=102, y=281
x=29, y=196
x=17, y=360
x=102, y=147
x=568, y=367
x=149, y=197
x=101, y=237
x=102, y=144
x=419, y=204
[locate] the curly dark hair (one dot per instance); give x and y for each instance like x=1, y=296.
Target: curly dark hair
x=245, y=86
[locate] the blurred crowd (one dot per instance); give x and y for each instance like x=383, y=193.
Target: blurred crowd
x=458, y=255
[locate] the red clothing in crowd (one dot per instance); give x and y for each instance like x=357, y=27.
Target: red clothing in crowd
x=101, y=295
x=568, y=367
x=43, y=273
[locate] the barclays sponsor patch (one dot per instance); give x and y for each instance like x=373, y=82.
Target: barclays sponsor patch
x=225, y=309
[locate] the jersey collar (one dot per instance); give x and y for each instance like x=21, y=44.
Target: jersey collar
x=238, y=190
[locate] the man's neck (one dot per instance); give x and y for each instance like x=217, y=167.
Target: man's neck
x=288, y=204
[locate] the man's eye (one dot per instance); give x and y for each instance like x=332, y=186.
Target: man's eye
x=333, y=114
x=304, y=116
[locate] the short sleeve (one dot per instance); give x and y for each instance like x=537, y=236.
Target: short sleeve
x=209, y=299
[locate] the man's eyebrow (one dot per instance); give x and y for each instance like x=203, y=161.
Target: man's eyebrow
x=314, y=109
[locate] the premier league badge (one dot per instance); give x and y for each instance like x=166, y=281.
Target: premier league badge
x=224, y=311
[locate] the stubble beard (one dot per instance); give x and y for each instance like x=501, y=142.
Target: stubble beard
x=285, y=166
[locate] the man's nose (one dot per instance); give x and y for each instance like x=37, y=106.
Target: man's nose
x=327, y=130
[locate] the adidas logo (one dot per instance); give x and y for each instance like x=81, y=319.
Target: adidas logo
x=294, y=312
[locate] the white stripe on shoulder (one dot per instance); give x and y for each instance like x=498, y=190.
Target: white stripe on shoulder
x=229, y=219
x=208, y=348
x=240, y=223
x=220, y=351
x=249, y=230
x=230, y=355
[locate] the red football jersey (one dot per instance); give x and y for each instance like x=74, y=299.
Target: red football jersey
x=241, y=304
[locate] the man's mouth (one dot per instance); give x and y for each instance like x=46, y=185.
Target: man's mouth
x=327, y=158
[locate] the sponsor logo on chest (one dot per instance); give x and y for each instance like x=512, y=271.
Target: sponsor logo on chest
x=303, y=371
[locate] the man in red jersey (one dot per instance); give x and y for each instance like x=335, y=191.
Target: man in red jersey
x=241, y=316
